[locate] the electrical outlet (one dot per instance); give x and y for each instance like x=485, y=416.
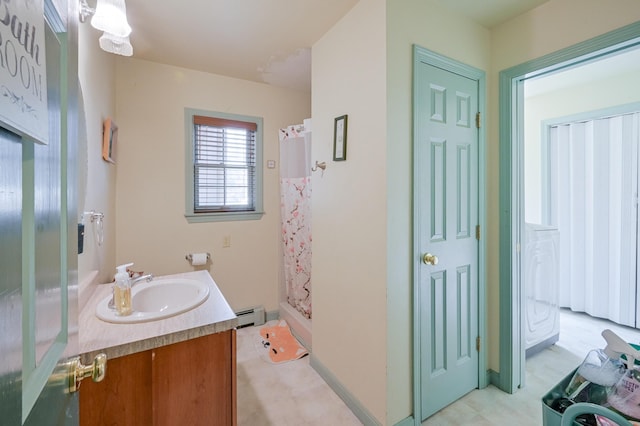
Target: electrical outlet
x=226, y=241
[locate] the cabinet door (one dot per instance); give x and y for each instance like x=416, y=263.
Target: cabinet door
x=194, y=381
x=123, y=398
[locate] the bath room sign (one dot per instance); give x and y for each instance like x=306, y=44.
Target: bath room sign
x=23, y=70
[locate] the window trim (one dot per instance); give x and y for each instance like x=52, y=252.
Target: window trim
x=190, y=215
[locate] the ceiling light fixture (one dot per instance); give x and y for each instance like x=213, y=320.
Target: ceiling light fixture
x=109, y=16
x=114, y=44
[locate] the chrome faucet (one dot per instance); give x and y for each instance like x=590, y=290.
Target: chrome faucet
x=148, y=278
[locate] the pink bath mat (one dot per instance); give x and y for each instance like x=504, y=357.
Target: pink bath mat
x=276, y=344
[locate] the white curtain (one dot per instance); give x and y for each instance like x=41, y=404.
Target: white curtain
x=295, y=208
x=593, y=178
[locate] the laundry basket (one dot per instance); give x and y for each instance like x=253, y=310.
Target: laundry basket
x=569, y=416
x=550, y=414
x=552, y=417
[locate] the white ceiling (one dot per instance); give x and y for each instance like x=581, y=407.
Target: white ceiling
x=490, y=13
x=261, y=40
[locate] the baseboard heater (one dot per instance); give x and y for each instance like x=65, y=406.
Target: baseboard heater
x=250, y=316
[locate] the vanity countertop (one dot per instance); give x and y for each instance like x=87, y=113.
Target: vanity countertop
x=214, y=315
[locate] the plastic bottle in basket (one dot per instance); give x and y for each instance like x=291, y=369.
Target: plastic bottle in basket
x=625, y=395
x=601, y=367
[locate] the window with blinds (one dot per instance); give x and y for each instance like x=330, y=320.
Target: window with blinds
x=224, y=165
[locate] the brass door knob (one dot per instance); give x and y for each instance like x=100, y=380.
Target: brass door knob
x=430, y=259
x=76, y=371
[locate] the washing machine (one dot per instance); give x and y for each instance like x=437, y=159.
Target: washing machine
x=541, y=290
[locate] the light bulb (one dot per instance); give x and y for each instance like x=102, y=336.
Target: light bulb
x=114, y=44
x=111, y=17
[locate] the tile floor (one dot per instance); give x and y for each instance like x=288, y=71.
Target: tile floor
x=294, y=394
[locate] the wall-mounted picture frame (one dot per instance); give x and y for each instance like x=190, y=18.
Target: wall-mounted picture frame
x=109, y=140
x=340, y=138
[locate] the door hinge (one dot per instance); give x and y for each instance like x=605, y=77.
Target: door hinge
x=478, y=343
x=478, y=120
x=478, y=232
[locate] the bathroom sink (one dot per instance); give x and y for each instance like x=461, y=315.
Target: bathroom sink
x=158, y=299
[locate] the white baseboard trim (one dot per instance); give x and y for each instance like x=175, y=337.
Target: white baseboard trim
x=354, y=405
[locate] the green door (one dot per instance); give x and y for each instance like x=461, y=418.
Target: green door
x=446, y=197
x=38, y=252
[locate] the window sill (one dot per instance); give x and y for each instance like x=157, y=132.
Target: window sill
x=222, y=217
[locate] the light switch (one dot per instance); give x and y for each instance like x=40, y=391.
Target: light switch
x=271, y=164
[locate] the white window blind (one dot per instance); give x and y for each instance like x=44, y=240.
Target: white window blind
x=224, y=169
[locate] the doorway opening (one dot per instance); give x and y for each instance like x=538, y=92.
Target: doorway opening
x=514, y=197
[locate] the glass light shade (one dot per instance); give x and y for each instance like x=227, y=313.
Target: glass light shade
x=111, y=17
x=113, y=44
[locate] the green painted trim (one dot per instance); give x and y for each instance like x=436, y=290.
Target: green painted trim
x=28, y=257
x=511, y=355
x=223, y=217
x=505, y=248
x=188, y=170
x=417, y=369
x=352, y=402
x=593, y=115
x=36, y=376
x=34, y=382
x=66, y=232
x=409, y=421
x=423, y=55
x=482, y=217
x=188, y=159
x=494, y=378
x=272, y=315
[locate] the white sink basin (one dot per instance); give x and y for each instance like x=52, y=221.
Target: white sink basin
x=158, y=299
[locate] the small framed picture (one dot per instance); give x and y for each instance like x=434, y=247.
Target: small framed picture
x=109, y=140
x=340, y=138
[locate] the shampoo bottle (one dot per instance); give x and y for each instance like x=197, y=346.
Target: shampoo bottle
x=122, y=291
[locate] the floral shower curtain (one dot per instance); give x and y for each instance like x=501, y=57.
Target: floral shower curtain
x=295, y=206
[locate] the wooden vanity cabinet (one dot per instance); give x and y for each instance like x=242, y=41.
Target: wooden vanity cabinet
x=187, y=383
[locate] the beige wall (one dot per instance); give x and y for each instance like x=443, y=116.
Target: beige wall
x=427, y=24
x=365, y=269
x=349, y=205
x=96, y=73
x=151, y=228
x=553, y=26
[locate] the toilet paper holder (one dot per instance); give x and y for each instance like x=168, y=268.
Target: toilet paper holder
x=189, y=257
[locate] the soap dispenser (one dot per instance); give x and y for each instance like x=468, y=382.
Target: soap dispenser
x=122, y=291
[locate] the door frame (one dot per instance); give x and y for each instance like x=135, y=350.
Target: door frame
x=511, y=84
x=422, y=55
